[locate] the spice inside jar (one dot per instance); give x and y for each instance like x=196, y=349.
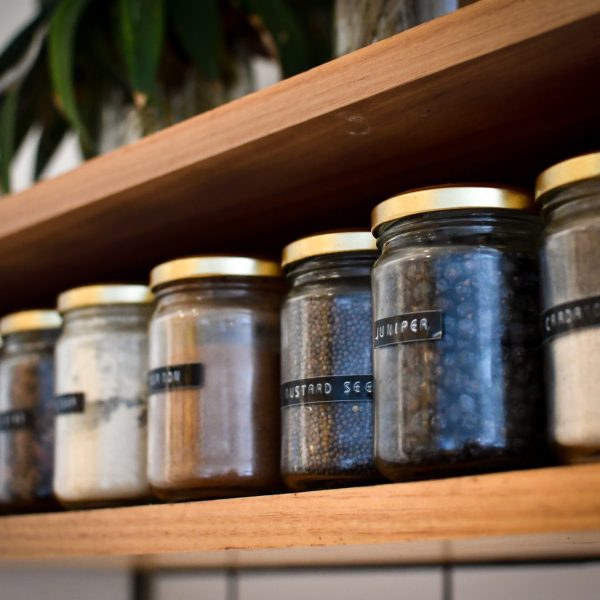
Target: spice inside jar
x=456, y=335
x=327, y=372
x=569, y=195
x=101, y=403
x=214, y=374
x=27, y=409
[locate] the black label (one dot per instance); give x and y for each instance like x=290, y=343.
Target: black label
x=337, y=388
x=70, y=403
x=570, y=316
x=13, y=420
x=176, y=377
x=409, y=327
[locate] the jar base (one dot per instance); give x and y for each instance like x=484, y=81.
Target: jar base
x=577, y=454
x=185, y=494
x=104, y=503
x=311, y=481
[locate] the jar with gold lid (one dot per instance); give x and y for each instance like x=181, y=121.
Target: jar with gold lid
x=27, y=409
x=327, y=370
x=456, y=334
x=569, y=196
x=101, y=397
x=214, y=377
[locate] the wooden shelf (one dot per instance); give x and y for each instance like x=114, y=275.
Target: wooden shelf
x=492, y=92
x=536, y=514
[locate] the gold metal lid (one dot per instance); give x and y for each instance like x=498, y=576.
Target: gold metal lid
x=328, y=243
x=449, y=197
x=196, y=267
x=30, y=320
x=94, y=295
x=579, y=168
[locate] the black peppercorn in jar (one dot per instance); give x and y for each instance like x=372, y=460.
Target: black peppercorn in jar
x=327, y=373
x=213, y=418
x=456, y=332
x=27, y=409
x=569, y=194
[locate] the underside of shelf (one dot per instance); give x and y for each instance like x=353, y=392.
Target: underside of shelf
x=493, y=92
x=538, y=514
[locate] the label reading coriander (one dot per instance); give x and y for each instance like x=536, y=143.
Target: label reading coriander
x=176, y=377
x=337, y=388
x=408, y=327
x=570, y=316
x=14, y=420
x=67, y=404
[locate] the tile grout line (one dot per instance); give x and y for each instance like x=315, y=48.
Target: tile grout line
x=447, y=591
x=231, y=584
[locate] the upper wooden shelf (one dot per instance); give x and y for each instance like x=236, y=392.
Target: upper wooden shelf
x=537, y=514
x=493, y=92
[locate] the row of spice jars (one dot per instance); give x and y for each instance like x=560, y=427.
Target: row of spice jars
x=448, y=338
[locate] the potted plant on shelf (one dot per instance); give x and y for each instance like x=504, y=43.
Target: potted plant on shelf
x=115, y=70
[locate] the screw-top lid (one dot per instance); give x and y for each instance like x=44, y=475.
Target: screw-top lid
x=30, y=320
x=196, y=267
x=567, y=172
x=328, y=243
x=449, y=197
x=94, y=295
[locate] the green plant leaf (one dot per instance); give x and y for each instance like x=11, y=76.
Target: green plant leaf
x=62, y=35
x=8, y=114
x=142, y=34
x=198, y=27
x=52, y=135
x=287, y=34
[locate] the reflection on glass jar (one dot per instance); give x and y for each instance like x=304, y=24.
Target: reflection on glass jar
x=569, y=193
x=456, y=335
x=27, y=409
x=214, y=373
x=101, y=365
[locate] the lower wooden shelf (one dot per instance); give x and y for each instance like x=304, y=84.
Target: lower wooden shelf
x=546, y=513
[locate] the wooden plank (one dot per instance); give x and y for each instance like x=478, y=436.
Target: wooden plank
x=494, y=91
x=543, y=513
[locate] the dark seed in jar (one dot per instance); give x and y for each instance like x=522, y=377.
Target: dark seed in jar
x=471, y=400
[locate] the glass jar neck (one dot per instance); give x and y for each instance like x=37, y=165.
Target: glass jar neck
x=572, y=202
x=30, y=341
x=455, y=227
x=332, y=266
x=106, y=315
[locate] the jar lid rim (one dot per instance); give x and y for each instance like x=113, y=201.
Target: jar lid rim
x=196, y=267
x=30, y=320
x=331, y=242
x=572, y=170
x=449, y=197
x=103, y=294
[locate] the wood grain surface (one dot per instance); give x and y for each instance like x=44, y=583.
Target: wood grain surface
x=493, y=92
x=543, y=513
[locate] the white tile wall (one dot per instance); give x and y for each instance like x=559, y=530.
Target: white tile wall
x=543, y=582
x=189, y=586
x=64, y=584
x=360, y=584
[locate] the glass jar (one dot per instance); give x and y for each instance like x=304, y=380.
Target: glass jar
x=326, y=362
x=101, y=404
x=27, y=409
x=569, y=193
x=214, y=359
x=456, y=333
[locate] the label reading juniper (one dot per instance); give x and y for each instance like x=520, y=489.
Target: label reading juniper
x=570, y=316
x=340, y=388
x=70, y=403
x=408, y=327
x=176, y=377
x=13, y=420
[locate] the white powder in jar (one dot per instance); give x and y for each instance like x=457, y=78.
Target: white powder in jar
x=100, y=453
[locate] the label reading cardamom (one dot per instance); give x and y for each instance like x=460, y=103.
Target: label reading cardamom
x=67, y=404
x=176, y=377
x=570, y=316
x=408, y=327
